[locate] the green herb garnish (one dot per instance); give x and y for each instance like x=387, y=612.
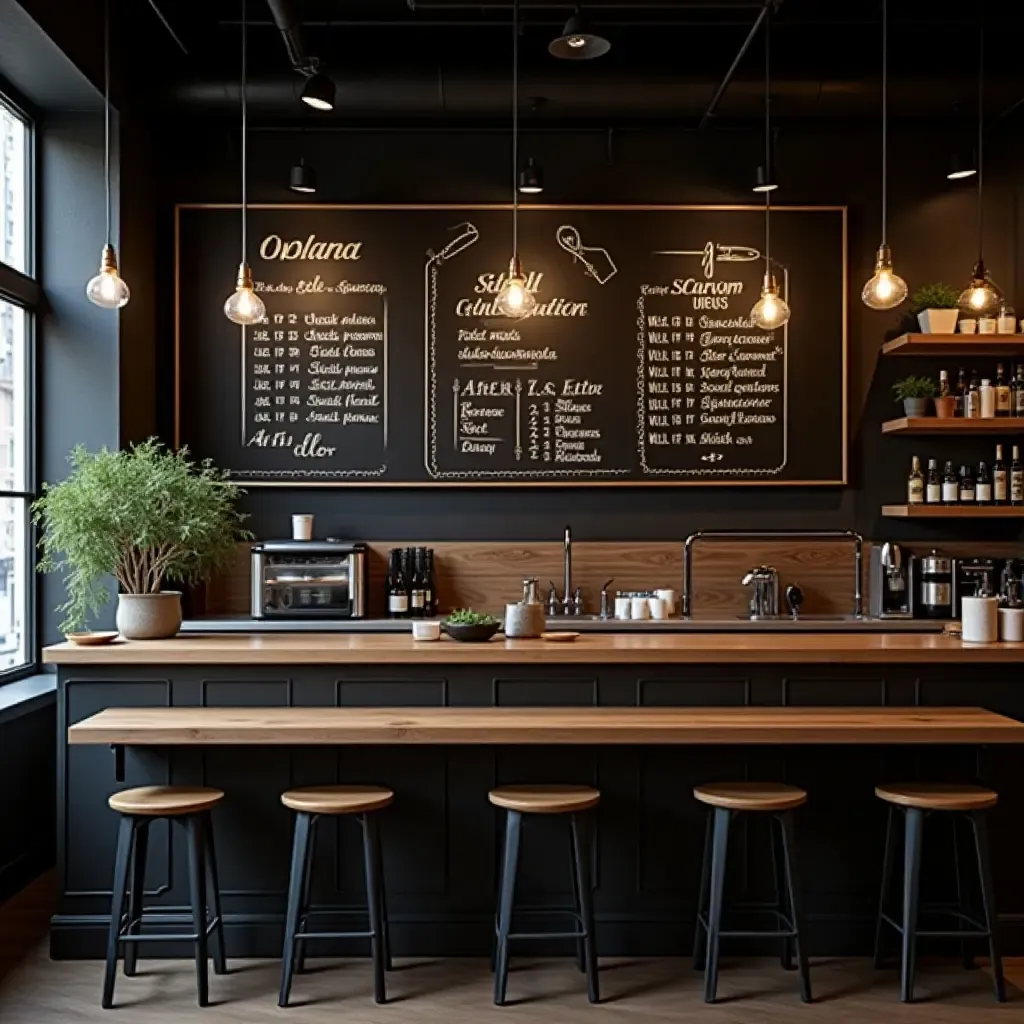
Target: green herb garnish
x=466, y=617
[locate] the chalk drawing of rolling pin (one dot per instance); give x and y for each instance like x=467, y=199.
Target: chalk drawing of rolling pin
x=712, y=252
x=596, y=261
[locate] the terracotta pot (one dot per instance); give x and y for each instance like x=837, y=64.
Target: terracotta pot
x=945, y=408
x=149, y=616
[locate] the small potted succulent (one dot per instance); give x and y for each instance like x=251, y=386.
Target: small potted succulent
x=470, y=627
x=916, y=394
x=937, y=308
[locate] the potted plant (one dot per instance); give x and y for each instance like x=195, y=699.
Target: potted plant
x=936, y=306
x=146, y=516
x=915, y=393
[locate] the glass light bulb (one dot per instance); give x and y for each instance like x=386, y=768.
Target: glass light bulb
x=576, y=42
x=771, y=310
x=515, y=299
x=884, y=290
x=244, y=306
x=982, y=296
x=108, y=289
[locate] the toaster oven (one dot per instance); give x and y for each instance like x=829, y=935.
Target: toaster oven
x=308, y=579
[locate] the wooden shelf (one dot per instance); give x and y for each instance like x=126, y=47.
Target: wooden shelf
x=953, y=511
x=950, y=425
x=955, y=345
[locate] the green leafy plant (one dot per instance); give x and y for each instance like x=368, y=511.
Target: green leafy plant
x=144, y=516
x=466, y=617
x=914, y=387
x=934, y=296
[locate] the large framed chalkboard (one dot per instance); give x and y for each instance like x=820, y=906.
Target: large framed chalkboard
x=384, y=362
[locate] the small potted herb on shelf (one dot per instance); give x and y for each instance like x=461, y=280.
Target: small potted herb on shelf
x=469, y=626
x=916, y=394
x=936, y=306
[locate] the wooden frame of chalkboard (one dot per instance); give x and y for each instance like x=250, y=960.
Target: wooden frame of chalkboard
x=440, y=476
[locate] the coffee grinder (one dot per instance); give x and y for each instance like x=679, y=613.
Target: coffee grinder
x=891, y=594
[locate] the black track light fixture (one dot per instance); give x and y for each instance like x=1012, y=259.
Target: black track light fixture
x=318, y=92
x=765, y=180
x=963, y=164
x=303, y=178
x=531, y=178
x=578, y=40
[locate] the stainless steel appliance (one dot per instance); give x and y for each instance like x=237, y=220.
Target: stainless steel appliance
x=1011, y=583
x=308, y=579
x=974, y=577
x=764, y=597
x=890, y=589
x=934, y=582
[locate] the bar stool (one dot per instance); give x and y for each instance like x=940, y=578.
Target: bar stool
x=726, y=799
x=916, y=800
x=578, y=802
x=310, y=804
x=190, y=807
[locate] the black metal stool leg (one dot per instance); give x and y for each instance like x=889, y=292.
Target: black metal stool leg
x=197, y=893
x=583, y=844
x=989, y=901
x=125, y=833
x=911, y=890
x=506, y=897
x=296, y=880
x=385, y=926
x=371, y=854
x=888, y=859
x=719, y=848
x=782, y=901
x=213, y=898
x=789, y=850
x=700, y=945
x=306, y=902
x=140, y=846
x=577, y=901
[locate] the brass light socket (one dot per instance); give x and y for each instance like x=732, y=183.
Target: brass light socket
x=108, y=260
x=883, y=259
x=515, y=267
x=244, y=279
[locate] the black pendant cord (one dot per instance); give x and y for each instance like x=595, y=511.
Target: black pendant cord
x=245, y=133
x=981, y=130
x=106, y=110
x=515, y=127
x=767, y=136
x=885, y=120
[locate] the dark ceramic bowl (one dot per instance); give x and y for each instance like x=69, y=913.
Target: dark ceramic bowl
x=471, y=634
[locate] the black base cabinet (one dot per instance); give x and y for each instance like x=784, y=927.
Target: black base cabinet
x=441, y=837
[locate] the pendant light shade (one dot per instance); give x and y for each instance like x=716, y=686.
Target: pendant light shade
x=107, y=289
x=244, y=306
x=319, y=92
x=962, y=165
x=764, y=180
x=578, y=41
x=771, y=310
x=531, y=178
x=303, y=178
x=885, y=289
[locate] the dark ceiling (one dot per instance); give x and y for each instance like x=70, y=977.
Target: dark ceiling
x=451, y=59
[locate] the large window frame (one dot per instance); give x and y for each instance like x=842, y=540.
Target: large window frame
x=20, y=288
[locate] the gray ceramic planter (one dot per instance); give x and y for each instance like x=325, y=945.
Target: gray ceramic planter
x=917, y=406
x=149, y=616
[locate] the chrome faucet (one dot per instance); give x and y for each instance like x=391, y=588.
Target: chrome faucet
x=572, y=600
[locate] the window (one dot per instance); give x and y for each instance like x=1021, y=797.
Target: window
x=19, y=296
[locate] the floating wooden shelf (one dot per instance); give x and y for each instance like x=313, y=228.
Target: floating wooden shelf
x=955, y=345
x=953, y=511
x=950, y=425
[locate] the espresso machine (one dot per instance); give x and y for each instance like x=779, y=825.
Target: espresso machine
x=974, y=577
x=891, y=582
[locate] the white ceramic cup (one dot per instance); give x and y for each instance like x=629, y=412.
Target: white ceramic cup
x=659, y=610
x=1006, y=324
x=426, y=630
x=980, y=620
x=1011, y=625
x=968, y=325
x=622, y=607
x=639, y=608
x=987, y=325
x=302, y=526
x=669, y=597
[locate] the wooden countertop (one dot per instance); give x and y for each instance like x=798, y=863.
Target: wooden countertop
x=600, y=648
x=600, y=725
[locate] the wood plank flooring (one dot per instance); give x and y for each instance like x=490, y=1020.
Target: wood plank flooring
x=34, y=990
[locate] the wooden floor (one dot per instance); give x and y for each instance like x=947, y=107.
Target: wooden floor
x=34, y=990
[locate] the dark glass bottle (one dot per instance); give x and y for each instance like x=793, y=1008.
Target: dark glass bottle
x=430, y=594
x=397, y=591
x=417, y=595
x=1018, y=404
x=1000, y=492
x=1016, y=479
x=961, y=393
x=972, y=409
x=983, y=486
x=1003, y=406
x=967, y=492
x=933, y=485
x=950, y=486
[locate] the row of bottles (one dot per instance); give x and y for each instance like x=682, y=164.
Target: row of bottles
x=410, y=589
x=981, y=397
x=1000, y=485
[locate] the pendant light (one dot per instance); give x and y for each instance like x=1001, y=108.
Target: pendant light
x=982, y=296
x=771, y=310
x=578, y=40
x=303, y=177
x=515, y=299
x=962, y=165
x=885, y=289
x=107, y=289
x=531, y=178
x=244, y=306
x=318, y=92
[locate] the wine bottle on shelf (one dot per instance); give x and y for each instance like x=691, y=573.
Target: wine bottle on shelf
x=933, y=484
x=1018, y=405
x=961, y=393
x=915, y=483
x=1016, y=478
x=967, y=492
x=972, y=409
x=412, y=576
x=398, y=594
x=944, y=391
x=983, y=486
x=1000, y=493
x=950, y=486
x=1002, y=392
x=430, y=593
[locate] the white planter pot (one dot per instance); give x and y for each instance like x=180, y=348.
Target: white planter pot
x=149, y=616
x=938, y=321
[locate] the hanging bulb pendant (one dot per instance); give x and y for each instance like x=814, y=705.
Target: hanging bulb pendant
x=771, y=310
x=244, y=306
x=515, y=299
x=982, y=297
x=108, y=289
x=885, y=289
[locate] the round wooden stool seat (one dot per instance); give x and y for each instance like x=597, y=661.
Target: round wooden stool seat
x=545, y=799
x=337, y=799
x=751, y=796
x=937, y=796
x=166, y=801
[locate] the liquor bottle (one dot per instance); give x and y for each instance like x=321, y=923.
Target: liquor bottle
x=430, y=594
x=943, y=384
x=983, y=486
x=967, y=492
x=417, y=588
x=915, y=483
x=950, y=486
x=398, y=593
x=961, y=393
x=1016, y=479
x=1018, y=406
x=973, y=408
x=1002, y=392
x=1000, y=494
x=933, y=484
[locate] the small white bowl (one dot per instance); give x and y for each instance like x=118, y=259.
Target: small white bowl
x=426, y=630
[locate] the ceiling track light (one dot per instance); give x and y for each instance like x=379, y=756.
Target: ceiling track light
x=885, y=289
x=962, y=164
x=319, y=92
x=302, y=178
x=531, y=178
x=578, y=40
x=107, y=289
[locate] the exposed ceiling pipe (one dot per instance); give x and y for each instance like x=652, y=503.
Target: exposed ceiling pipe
x=289, y=22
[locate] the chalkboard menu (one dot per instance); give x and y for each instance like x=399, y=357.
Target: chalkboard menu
x=384, y=360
